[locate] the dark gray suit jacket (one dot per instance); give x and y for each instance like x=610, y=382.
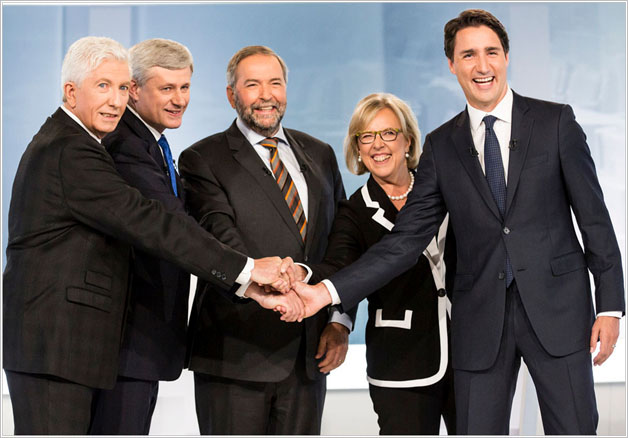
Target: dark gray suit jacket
x=232, y=194
x=550, y=174
x=72, y=220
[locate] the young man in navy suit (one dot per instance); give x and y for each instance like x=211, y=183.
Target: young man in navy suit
x=509, y=170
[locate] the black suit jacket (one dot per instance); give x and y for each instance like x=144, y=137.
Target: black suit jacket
x=233, y=195
x=550, y=174
x=407, y=341
x=72, y=220
x=153, y=346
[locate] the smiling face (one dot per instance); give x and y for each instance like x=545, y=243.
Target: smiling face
x=259, y=93
x=385, y=159
x=480, y=64
x=162, y=100
x=101, y=98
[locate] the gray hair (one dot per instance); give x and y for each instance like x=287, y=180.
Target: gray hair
x=158, y=52
x=86, y=54
x=365, y=112
x=250, y=51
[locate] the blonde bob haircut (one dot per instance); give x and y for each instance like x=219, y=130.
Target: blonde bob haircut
x=365, y=112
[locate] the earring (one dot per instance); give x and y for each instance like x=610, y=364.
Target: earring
x=407, y=155
x=359, y=158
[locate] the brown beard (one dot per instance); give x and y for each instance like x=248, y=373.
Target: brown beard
x=248, y=116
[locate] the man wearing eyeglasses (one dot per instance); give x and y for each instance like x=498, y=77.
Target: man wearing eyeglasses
x=270, y=190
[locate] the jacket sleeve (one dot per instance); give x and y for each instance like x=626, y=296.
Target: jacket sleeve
x=97, y=195
x=587, y=202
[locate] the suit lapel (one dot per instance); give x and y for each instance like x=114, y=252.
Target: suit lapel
x=244, y=154
x=521, y=132
x=463, y=143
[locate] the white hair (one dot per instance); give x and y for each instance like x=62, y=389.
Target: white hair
x=86, y=54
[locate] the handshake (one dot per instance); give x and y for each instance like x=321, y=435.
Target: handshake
x=277, y=284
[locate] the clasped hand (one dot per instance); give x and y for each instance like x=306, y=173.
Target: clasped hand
x=277, y=285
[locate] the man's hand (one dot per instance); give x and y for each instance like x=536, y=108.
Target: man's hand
x=606, y=330
x=333, y=345
x=273, y=271
x=314, y=297
x=288, y=304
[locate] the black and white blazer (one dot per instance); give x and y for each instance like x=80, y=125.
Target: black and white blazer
x=407, y=330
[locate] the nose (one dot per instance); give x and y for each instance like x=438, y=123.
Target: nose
x=482, y=63
x=265, y=92
x=178, y=98
x=118, y=98
x=379, y=141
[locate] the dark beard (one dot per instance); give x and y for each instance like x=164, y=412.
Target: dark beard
x=246, y=114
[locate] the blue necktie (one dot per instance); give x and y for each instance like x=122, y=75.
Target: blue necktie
x=163, y=144
x=494, y=168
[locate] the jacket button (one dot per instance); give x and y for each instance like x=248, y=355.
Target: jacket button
x=442, y=292
x=213, y=272
x=224, y=277
x=305, y=259
x=506, y=230
x=501, y=276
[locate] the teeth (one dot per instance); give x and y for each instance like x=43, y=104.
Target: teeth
x=380, y=158
x=483, y=80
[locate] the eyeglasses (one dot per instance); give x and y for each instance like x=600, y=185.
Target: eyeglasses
x=368, y=137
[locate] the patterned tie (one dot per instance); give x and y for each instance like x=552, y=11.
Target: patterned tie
x=286, y=185
x=163, y=144
x=494, y=168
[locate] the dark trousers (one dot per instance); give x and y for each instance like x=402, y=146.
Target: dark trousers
x=564, y=385
x=127, y=409
x=293, y=406
x=48, y=405
x=415, y=411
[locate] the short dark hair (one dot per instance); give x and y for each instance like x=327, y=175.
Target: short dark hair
x=473, y=18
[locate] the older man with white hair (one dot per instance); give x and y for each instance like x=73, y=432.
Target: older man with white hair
x=72, y=220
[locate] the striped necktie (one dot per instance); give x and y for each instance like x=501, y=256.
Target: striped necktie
x=286, y=185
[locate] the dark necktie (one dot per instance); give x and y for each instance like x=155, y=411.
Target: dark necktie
x=286, y=185
x=163, y=144
x=494, y=168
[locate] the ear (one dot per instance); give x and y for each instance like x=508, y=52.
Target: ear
x=134, y=92
x=507, y=59
x=69, y=92
x=231, y=96
x=451, y=66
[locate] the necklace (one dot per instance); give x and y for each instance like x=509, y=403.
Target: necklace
x=405, y=195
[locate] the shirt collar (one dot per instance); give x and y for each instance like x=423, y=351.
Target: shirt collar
x=152, y=130
x=253, y=137
x=77, y=120
x=503, y=111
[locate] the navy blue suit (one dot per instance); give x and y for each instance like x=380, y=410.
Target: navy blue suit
x=551, y=173
x=154, y=339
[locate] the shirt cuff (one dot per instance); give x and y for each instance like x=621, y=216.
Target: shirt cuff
x=309, y=272
x=245, y=275
x=333, y=293
x=616, y=314
x=336, y=315
x=242, y=289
